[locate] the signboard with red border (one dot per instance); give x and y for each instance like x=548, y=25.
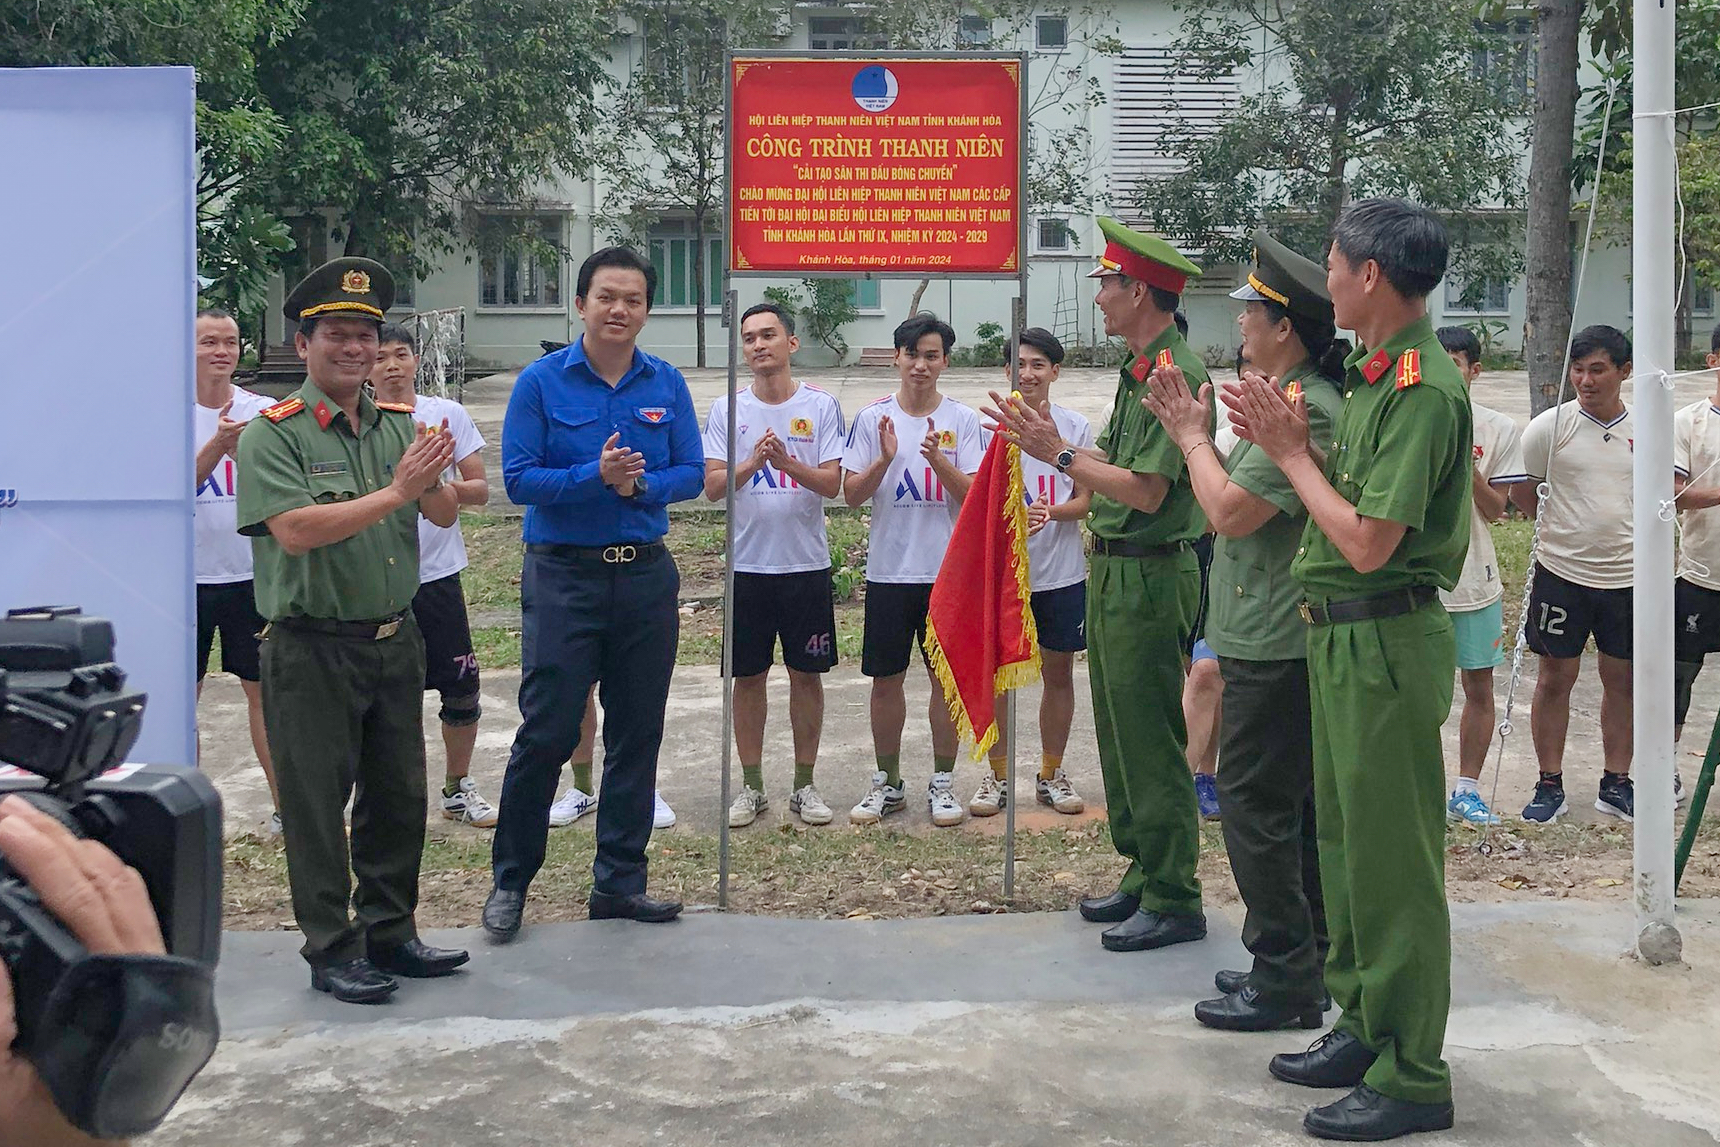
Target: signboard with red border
x=875, y=165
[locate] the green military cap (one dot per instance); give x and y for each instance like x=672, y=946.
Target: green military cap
x=1144, y=257
x=349, y=288
x=1282, y=276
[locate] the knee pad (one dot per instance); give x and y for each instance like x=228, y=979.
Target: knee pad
x=1683, y=678
x=458, y=711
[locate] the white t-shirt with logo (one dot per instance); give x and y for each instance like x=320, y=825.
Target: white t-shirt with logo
x=442, y=549
x=1586, y=531
x=1696, y=458
x=1054, y=554
x=779, y=524
x=1498, y=453
x=911, y=515
x=222, y=555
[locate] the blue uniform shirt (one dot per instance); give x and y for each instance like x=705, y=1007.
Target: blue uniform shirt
x=560, y=415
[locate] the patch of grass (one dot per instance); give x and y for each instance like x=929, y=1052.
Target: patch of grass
x=1511, y=539
x=493, y=549
x=496, y=645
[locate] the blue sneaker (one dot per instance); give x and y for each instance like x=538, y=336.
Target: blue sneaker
x=1206, y=794
x=1548, y=803
x=1469, y=808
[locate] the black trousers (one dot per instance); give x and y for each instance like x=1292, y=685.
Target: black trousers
x=1266, y=789
x=588, y=621
x=345, y=718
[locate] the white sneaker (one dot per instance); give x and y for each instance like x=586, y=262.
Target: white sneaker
x=662, y=816
x=273, y=824
x=810, y=806
x=941, y=798
x=991, y=798
x=743, y=810
x=467, y=807
x=1677, y=790
x=572, y=805
x=879, y=803
x=1059, y=793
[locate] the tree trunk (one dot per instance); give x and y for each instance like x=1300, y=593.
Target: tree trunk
x=699, y=284
x=914, y=303
x=1547, y=251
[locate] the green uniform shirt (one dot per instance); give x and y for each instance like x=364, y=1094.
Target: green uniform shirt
x=312, y=457
x=1401, y=453
x=1251, y=612
x=1136, y=441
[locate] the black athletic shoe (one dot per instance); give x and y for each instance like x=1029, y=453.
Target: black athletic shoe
x=1617, y=797
x=1548, y=803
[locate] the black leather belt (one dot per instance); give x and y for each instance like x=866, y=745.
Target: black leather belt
x=1116, y=549
x=623, y=553
x=380, y=629
x=1393, y=603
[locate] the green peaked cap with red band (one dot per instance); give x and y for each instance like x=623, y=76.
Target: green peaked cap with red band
x=1140, y=256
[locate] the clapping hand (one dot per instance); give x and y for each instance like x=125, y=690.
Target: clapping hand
x=619, y=466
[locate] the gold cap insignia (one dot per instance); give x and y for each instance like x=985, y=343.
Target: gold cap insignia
x=355, y=283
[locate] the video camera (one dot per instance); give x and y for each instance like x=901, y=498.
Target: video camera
x=116, y=1039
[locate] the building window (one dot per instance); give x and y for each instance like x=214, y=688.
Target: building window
x=521, y=266
x=1051, y=33
x=672, y=248
x=1702, y=299
x=1054, y=234
x=1506, y=58
x=834, y=33
x=1491, y=296
x=975, y=31
x=865, y=294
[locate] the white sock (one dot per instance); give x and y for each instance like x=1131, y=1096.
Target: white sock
x=1466, y=785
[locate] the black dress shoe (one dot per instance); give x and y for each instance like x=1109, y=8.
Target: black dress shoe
x=640, y=907
x=1112, y=909
x=1244, y=1011
x=1336, y=1059
x=1147, y=929
x=417, y=960
x=1366, y=1116
x=1228, y=982
x=503, y=912
x=354, y=982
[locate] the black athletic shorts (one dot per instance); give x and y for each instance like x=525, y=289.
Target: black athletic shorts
x=1060, y=615
x=1562, y=615
x=1202, y=547
x=895, y=627
x=230, y=609
x=798, y=608
x=450, y=666
x=1696, y=621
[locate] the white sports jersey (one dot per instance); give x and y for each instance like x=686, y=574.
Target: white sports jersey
x=1586, y=531
x=779, y=524
x=442, y=549
x=1498, y=452
x=911, y=517
x=1696, y=457
x=1054, y=554
x=222, y=555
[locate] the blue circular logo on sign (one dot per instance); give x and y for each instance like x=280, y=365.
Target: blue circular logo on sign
x=874, y=88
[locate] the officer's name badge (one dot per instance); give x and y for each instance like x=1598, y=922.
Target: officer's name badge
x=319, y=469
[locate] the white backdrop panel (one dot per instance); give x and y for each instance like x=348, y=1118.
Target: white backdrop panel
x=97, y=222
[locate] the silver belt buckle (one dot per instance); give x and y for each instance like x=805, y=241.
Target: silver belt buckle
x=387, y=629
x=1307, y=613
x=616, y=555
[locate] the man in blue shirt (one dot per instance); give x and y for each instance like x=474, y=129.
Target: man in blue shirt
x=599, y=438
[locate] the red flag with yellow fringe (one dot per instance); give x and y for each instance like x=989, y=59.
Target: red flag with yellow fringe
x=980, y=634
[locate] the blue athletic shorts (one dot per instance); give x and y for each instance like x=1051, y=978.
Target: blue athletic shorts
x=1060, y=615
x=1201, y=652
x=1480, y=636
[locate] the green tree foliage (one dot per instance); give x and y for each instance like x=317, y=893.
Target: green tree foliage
x=237, y=130
x=1344, y=100
x=401, y=113
x=825, y=308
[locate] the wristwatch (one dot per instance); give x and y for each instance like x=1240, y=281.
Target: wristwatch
x=1065, y=459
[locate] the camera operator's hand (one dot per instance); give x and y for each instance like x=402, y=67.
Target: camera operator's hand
x=105, y=905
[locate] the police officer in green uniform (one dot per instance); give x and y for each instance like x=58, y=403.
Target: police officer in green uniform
x=1267, y=785
x=334, y=484
x=1388, y=527
x=1143, y=595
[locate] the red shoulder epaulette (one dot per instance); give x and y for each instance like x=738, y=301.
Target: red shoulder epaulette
x=1409, y=370
x=284, y=409
x=1166, y=359
x=396, y=407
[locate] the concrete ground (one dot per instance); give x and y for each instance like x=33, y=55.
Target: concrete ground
x=984, y=1030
